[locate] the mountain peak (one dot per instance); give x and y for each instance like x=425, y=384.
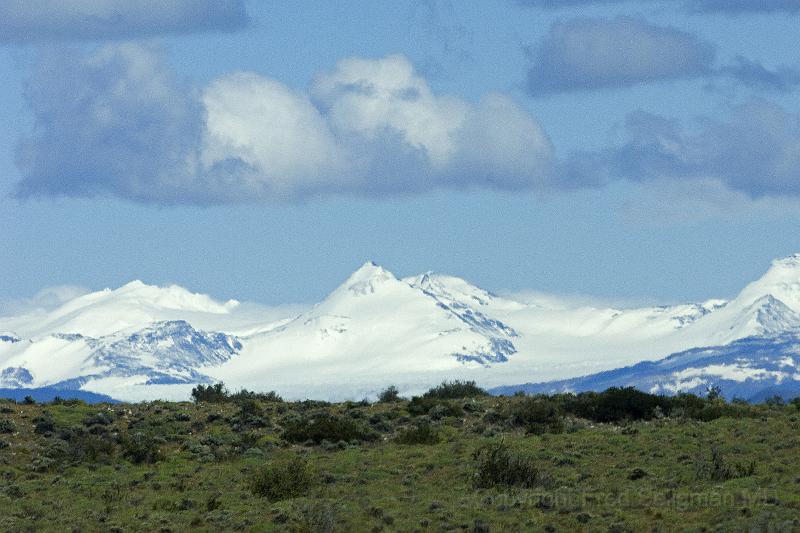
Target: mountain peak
x=370, y=271
x=791, y=261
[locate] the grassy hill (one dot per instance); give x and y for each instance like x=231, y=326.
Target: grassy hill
x=454, y=460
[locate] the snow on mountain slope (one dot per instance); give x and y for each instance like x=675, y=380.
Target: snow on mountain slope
x=373, y=330
x=373, y=324
x=163, y=352
x=753, y=368
x=104, y=312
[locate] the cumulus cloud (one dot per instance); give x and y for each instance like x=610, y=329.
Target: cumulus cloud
x=118, y=122
x=756, y=151
x=25, y=21
x=596, y=53
x=115, y=121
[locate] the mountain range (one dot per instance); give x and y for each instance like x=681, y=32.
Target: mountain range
x=141, y=342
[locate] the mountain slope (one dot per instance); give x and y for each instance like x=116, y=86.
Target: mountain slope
x=141, y=341
x=752, y=368
x=164, y=352
x=373, y=324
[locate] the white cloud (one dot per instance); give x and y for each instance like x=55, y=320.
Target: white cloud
x=274, y=130
x=369, y=126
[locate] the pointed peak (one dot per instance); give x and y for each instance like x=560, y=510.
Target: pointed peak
x=370, y=270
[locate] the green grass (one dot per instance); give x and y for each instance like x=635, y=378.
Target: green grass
x=737, y=472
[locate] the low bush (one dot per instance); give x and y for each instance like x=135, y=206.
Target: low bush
x=216, y=393
x=140, y=448
x=389, y=394
x=7, y=426
x=422, y=405
x=44, y=424
x=717, y=468
x=283, y=479
x=422, y=434
x=497, y=465
x=617, y=404
x=77, y=445
x=455, y=390
x=321, y=426
x=537, y=415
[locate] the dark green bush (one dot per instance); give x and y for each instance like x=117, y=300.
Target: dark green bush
x=100, y=418
x=7, y=426
x=422, y=434
x=44, y=424
x=325, y=426
x=81, y=446
x=215, y=393
x=775, y=401
x=537, y=415
x=716, y=468
x=389, y=394
x=617, y=404
x=245, y=394
x=140, y=448
x=422, y=405
x=497, y=465
x=283, y=479
x=455, y=390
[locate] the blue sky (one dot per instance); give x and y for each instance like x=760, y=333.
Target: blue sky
x=645, y=151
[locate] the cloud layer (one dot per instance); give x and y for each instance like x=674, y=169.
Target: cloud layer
x=695, y=6
x=25, y=21
x=756, y=151
x=596, y=53
x=118, y=122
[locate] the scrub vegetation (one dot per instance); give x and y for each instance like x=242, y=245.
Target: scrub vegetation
x=454, y=459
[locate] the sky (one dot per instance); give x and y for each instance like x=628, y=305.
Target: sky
x=632, y=151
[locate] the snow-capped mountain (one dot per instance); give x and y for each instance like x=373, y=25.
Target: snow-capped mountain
x=141, y=341
x=754, y=368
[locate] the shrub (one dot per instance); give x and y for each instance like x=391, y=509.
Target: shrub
x=422, y=434
x=775, y=401
x=796, y=403
x=325, y=426
x=537, y=415
x=389, y=394
x=283, y=479
x=78, y=445
x=43, y=424
x=718, y=469
x=100, y=418
x=454, y=390
x=29, y=400
x=215, y=393
x=245, y=394
x=617, y=404
x=315, y=517
x=497, y=465
x=140, y=448
x=7, y=426
x=422, y=405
